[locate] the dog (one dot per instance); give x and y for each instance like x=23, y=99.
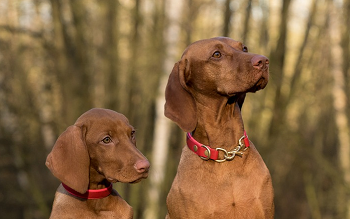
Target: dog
x=98, y=150
x=220, y=173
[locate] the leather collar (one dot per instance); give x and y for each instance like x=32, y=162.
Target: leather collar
x=206, y=152
x=91, y=193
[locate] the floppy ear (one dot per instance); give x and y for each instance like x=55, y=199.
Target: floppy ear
x=240, y=100
x=69, y=159
x=180, y=106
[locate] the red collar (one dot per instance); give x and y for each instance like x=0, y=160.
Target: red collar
x=205, y=152
x=91, y=193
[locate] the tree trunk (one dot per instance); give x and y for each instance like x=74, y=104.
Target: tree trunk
x=264, y=31
x=227, y=19
x=339, y=104
x=246, y=21
x=299, y=62
x=346, y=49
x=111, y=46
x=162, y=124
x=277, y=59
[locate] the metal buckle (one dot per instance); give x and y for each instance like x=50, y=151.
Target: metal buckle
x=229, y=155
x=226, y=155
x=207, y=149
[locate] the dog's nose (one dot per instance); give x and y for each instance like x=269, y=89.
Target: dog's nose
x=142, y=166
x=260, y=62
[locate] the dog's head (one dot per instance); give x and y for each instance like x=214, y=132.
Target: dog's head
x=101, y=140
x=217, y=67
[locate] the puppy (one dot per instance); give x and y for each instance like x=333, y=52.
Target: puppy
x=98, y=150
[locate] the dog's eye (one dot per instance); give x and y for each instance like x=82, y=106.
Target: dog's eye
x=245, y=49
x=216, y=54
x=107, y=140
x=132, y=134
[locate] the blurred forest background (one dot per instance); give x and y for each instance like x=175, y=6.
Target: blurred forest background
x=59, y=58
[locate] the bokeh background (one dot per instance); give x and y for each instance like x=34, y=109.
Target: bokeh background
x=59, y=58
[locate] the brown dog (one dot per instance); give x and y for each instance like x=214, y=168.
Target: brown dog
x=204, y=95
x=98, y=150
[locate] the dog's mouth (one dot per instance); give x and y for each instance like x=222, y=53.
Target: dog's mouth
x=136, y=181
x=139, y=178
x=260, y=84
x=143, y=176
x=127, y=179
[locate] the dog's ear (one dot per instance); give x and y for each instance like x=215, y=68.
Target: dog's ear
x=240, y=100
x=69, y=159
x=180, y=106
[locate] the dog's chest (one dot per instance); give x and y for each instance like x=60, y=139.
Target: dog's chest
x=213, y=190
x=66, y=206
x=206, y=199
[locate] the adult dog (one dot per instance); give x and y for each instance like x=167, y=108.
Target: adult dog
x=220, y=174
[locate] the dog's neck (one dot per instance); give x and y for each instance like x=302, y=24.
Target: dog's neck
x=219, y=123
